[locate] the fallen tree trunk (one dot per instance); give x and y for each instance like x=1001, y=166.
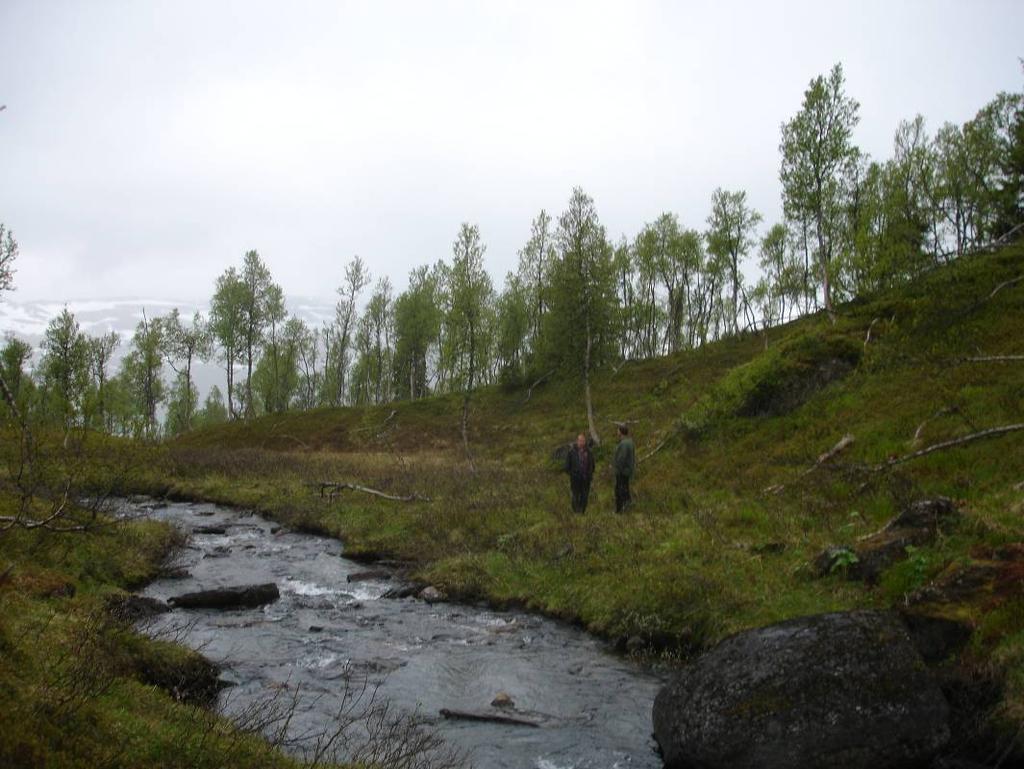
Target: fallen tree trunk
x=333, y=489
x=990, y=433
x=463, y=715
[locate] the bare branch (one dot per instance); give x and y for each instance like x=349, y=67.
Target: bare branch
x=993, y=359
x=867, y=337
x=993, y=432
x=541, y=379
x=333, y=488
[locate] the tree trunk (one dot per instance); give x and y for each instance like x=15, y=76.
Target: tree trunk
x=586, y=389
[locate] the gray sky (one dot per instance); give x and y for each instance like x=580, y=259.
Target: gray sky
x=147, y=145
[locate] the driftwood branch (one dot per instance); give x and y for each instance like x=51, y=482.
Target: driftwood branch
x=993, y=359
x=541, y=379
x=867, y=337
x=993, y=432
x=841, y=445
x=464, y=715
x=387, y=419
x=844, y=443
x=1005, y=284
x=332, y=489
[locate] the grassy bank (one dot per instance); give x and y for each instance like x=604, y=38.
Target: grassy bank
x=80, y=687
x=731, y=508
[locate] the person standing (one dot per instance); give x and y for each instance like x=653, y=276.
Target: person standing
x=579, y=463
x=624, y=463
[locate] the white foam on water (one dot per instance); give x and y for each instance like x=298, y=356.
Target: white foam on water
x=544, y=763
x=318, y=661
x=366, y=591
x=299, y=587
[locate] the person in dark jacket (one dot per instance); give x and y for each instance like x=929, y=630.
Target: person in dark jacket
x=624, y=463
x=579, y=463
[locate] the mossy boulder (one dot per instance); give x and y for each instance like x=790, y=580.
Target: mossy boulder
x=779, y=380
x=843, y=689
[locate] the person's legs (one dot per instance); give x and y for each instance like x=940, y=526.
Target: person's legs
x=584, y=496
x=576, y=489
x=621, y=492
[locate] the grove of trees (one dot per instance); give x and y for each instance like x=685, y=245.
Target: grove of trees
x=576, y=302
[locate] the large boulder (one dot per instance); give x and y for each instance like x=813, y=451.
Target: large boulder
x=846, y=689
x=238, y=597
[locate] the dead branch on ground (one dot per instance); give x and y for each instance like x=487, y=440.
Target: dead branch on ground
x=540, y=380
x=844, y=443
x=992, y=432
x=379, y=427
x=332, y=489
x=867, y=337
x=992, y=359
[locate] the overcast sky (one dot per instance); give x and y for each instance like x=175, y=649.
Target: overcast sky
x=147, y=145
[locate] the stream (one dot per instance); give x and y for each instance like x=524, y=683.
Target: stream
x=592, y=708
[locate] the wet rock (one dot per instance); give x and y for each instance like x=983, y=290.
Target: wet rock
x=844, y=689
x=917, y=525
x=316, y=628
x=276, y=529
x=403, y=591
x=130, y=608
x=431, y=594
x=205, y=513
x=502, y=700
x=362, y=576
x=241, y=596
x=210, y=529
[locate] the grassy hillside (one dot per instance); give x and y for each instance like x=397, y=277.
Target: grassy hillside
x=730, y=511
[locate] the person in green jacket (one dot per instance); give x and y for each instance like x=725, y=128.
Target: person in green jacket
x=624, y=463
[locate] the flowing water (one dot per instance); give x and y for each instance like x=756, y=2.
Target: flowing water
x=593, y=708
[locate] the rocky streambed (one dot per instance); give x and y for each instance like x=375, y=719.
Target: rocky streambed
x=510, y=689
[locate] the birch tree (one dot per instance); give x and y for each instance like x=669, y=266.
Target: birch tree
x=581, y=327
x=817, y=151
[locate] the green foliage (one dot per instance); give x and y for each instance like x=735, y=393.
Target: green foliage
x=417, y=318
x=731, y=227
x=843, y=560
x=818, y=156
x=64, y=369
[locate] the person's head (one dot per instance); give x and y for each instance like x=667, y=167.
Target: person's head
x=581, y=441
x=623, y=431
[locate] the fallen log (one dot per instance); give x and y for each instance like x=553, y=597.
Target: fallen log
x=333, y=489
x=464, y=715
x=990, y=433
